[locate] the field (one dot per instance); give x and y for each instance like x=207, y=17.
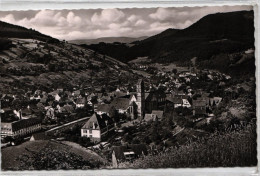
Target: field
x=169, y=67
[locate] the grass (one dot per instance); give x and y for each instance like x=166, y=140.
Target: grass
x=233, y=149
x=11, y=155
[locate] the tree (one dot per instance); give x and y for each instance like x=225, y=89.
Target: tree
x=174, y=70
x=155, y=137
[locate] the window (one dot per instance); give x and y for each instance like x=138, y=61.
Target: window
x=90, y=131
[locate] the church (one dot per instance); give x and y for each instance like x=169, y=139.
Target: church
x=148, y=101
x=137, y=104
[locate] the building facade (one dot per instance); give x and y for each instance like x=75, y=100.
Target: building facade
x=97, y=127
x=20, y=128
x=140, y=100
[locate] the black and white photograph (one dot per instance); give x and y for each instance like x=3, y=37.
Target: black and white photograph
x=128, y=88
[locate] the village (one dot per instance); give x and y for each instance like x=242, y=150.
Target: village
x=162, y=110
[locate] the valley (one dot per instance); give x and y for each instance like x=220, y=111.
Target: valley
x=181, y=98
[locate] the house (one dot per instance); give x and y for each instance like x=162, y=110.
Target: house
x=43, y=100
x=57, y=97
x=50, y=113
x=155, y=100
x=66, y=109
x=127, y=153
x=97, y=127
x=215, y=101
x=20, y=128
x=76, y=93
x=80, y=103
x=186, y=103
x=105, y=109
x=124, y=106
x=133, y=98
x=60, y=89
x=177, y=102
x=150, y=117
x=90, y=103
x=26, y=113
x=40, y=106
x=199, y=107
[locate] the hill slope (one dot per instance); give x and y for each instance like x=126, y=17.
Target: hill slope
x=36, y=154
x=32, y=63
x=211, y=35
x=13, y=31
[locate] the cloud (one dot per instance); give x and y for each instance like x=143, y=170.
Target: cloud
x=96, y=23
x=140, y=23
x=107, y=15
x=8, y=18
x=162, y=14
x=132, y=18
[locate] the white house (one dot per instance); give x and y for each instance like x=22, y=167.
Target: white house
x=57, y=97
x=186, y=103
x=97, y=127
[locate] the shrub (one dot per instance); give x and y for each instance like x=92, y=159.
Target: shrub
x=232, y=149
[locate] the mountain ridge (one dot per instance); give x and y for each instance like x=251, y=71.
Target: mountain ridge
x=236, y=27
x=8, y=30
x=108, y=40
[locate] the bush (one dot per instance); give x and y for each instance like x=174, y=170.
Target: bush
x=233, y=149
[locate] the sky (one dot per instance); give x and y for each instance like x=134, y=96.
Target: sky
x=98, y=23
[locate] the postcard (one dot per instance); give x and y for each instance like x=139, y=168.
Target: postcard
x=112, y=89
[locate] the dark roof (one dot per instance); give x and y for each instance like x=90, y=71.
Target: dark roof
x=26, y=111
x=138, y=149
x=81, y=101
x=177, y=100
x=199, y=103
x=170, y=99
x=181, y=96
x=120, y=94
x=99, y=121
x=155, y=95
x=104, y=107
x=43, y=99
x=200, y=111
x=120, y=103
x=24, y=123
x=41, y=136
x=67, y=108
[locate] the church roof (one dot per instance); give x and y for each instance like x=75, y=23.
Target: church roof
x=121, y=103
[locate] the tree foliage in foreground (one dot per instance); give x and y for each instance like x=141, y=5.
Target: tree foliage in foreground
x=236, y=148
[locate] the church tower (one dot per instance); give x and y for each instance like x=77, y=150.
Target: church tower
x=140, y=99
